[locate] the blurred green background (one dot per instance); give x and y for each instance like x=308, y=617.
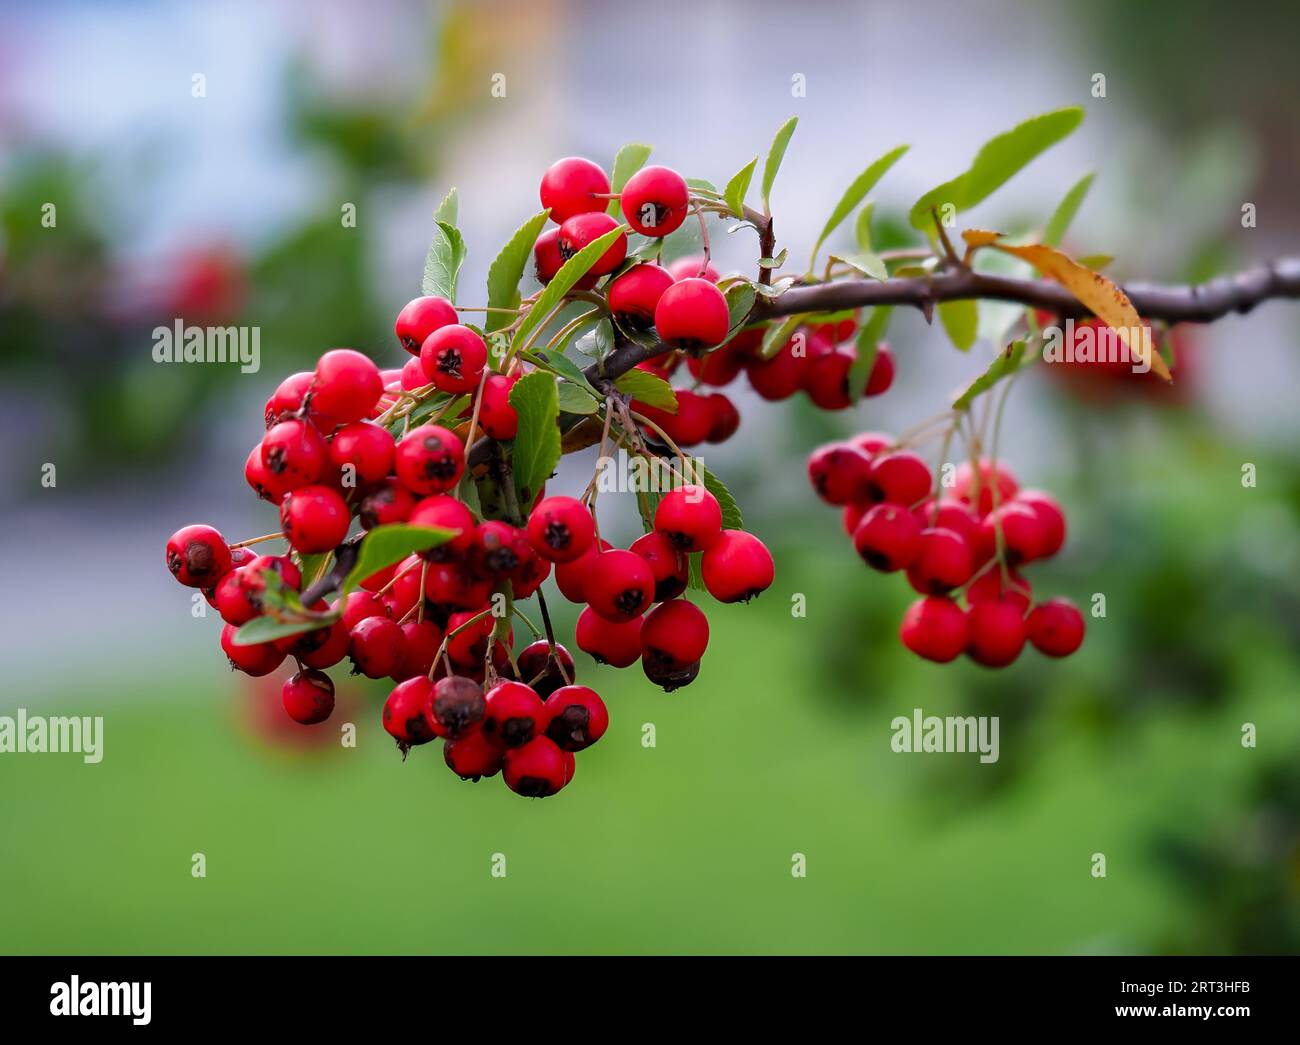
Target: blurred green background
x=229, y=213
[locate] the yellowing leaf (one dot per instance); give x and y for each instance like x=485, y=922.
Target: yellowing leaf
x=980, y=237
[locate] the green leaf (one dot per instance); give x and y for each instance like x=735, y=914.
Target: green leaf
x=565, y=368
x=312, y=566
x=648, y=388
x=702, y=185
x=1009, y=360
x=597, y=341
x=630, y=159
x=854, y=195
x=574, y=399
x=536, y=448
x=865, y=262
x=1096, y=262
x=265, y=628
x=774, y=157
x=507, y=270
x=731, y=516
x=442, y=264
x=390, y=543
x=736, y=188
x=862, y=227
x=565, y=280
x=996, y=163
x=869, y=338
x=1066, y=210
x=961, y=320
x=740, y=302
x=695, y=571
x=775, y=337
x=448, y=207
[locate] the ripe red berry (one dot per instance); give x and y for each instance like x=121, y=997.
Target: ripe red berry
x=888, y=538
x=882, y=372
x=726, y=418
x=389, y=502
x=496, y=416
x=547, y=260
x=257, y=659
x=717, y=368
x=618, y=645
x=283, y=566
x=453, y=358
x=634, y=295
x=514, y=714
x=689, y=426
x=996, y=632
x=692, y=314
x=967, y=479
x=430, y=459
x=943, y=562
x=952, y=515
x=673, y=639
x=1055, y=627
x=690, y=517
x=197, y=556
x=454, y=586
x=899, y=478
x=1051, y=520
x=561, y=529
x=538, y=769
x=442, y=511
x=669, y=565
x=934, y=628
x=826, y=379
x=654, y=201
x=872, y=443
x=236, y=599
x=473, y=756
x=571, y=577
x=314, y=519
x=404, y=590
x=423, y=638
x=358, y=606
x=267, y=486
x=455, y=707
x=693, y=266
x=572, y=186
x=1022, y=533
x=366, y=448
x=321, y=647
x=619, y=585
x=853, y=514
x=467, y=638
x=295, y=454
x=404, y=713
x=840, y=473
x=539, y=669
x=988, y=587
x=578, y=717
x=286, y=400
x=377, y=646
x=781, y=376
x=495, y=549
x=582, y=229
x=420, y=318
x=528, y=578
x=413, y=375
x=347, y=384
x=737, y=567
x=308, y=697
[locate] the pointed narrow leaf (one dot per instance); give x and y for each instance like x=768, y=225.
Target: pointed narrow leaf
x=862, y=227
x=855, y=194
x=869, y=338
x=447, y=209
x=266, y=628
x=390, y=543
x=774, y=157
x=536, y=448
x=507, y=270
x=736, y=188
x=630, y=159
x=961, y=321
x=865, y=262
x=1008, y=361
x=565, y=280
x=1066, y=210
x=775, y=337
x=442, y=264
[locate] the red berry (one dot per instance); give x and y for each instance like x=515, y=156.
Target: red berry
x=673, y=639
x=496, y=416
x=366, y=448
x=619, y=585
x=267, y=486
x=853, y=514
x=546, y=257
x=572, y=186
x=321, y=647
x=413, y=375
x=692, y=314
x=899, y=478
x=295, y=454
x=934, y=628
x=1055, y=627
x=377, y=646
x=1051, y=520
x=538, y=769
x=654, y=201
x=618, y=645
x=690, y=517
x=257, y=659
x=826, y=379
x=840, y=473
x=430, y=459
x=717, y=368
x=944, y=562
x=582, y=229
x=693, y=267
x=467, y=647
x=737, y=567
x=314, y=519
x=561, y=529
x=359, y=606
x=967, y=479
x=422, y=641
x=882, y=372
x=455, y=707
x=669, y=565
x=389, y=502
x=473, y=756
x=308, y=697
x=236, y=598
x=781, y=376
x=404, y=713
x=444, y=512
x=578, y=717
x=286, y=400
x=726, y=418
x=514, y=714
x=634, y=295
x=539, y=669
x=988, y=587
x=571, y=577
x=453, y=358
x=198, y=556
x=454, y=586
x=528, y=578
x=996, y=632
x=689, y=426
x=496, y=549
x=420, y=318
x=888, y=538
x=1022, y=533
x=346, y=386
x=952, y=515
x=283, y=566
x=872, y=443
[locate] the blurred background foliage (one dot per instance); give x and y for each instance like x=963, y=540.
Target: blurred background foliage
x=1132, y=748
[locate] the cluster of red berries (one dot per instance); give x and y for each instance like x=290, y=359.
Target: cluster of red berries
x=968, y=542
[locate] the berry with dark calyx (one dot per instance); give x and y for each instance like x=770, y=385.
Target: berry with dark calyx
x=618, y=645
x=453, y=358
x=514, y=714
x=935, y=628
x=674, y=637
x=1055, y=627
x=257, y=659
x=840, y=473
x=443, y=512
x=988, y=587
x=314, y=519
x=561, y=529
x=420, y=318
x=377, y=646
x=538, y=769
x=1051, y=520
x=967, y=479
x=619, y=586
x=455, y=706
x=669, y=565
x=321, y=647
x=996, y=632
x=198, y=556
x=571, y=577
x=900, y=477
x=1022, y=533
x=943, y=562
x=547, y=260
x=690, y=517
x=717, y=368
x=582, y=229
x=578, y=717
x=692, y=314
x=367, y=448
x=539, y=669
x=498, y=419
x=267, y=486
x=295, y=453
x=404, y=717
x=346, y=385
x=654, y=201
x=308, y=697
x=726, y=418
x=238, y=597
x=737, y=567
x=430, y=459
x=573, y=185
x=495, y=549
x=528, y=578
x=633, y=295
x=669, y=676
x=281, y=565
x=286, y=401
x=360, y=605
x=453, y=586
x=882, y=372
x=473, y=756
x=826, y=379
x=888, y=538
x=388, y=502
x=423, y=637
x=781, y=376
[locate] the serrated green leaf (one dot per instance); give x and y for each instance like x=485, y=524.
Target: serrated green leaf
x=865, y=262
x=1066, y=210
x=775, y=337
x=961, y=321
x=732, y=519
x=868, y=344
x=630, y=159
x=442, y=263
x=564, y=367
x=1008, y=361
x=390, y=543
x=862, y=227
x=854, y=195
x=774, y=157
x=648, y=388
x=565, y=280
x=574, y=399
x=448, y=207
x=507, y=270
x=738, y=186
x=536, y=448
x=265, y=629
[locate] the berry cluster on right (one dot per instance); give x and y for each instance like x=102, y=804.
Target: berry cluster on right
x=962, y=544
